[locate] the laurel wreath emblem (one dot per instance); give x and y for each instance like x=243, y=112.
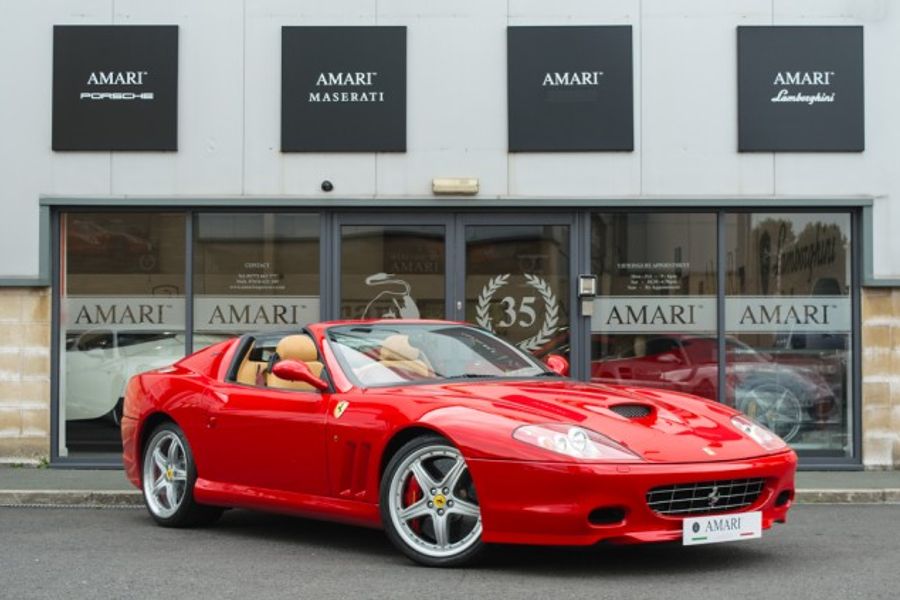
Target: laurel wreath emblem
x=551, y=308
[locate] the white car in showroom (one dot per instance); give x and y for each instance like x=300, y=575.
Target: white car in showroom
x=99, y=362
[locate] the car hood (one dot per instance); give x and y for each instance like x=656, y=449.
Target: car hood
x=678, y=428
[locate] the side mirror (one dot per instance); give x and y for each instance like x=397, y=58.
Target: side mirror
x=558, y=364
x=294, y=370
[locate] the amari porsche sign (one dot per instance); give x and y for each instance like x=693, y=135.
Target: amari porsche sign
x=570, y=88
x=343, y=89
x=115, y=87
x=800, y=89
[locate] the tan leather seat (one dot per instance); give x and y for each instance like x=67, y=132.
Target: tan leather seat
x=252, y=372
x=398, y=354
x=300, y=348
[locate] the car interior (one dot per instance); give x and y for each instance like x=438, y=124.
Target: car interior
x=264, y=351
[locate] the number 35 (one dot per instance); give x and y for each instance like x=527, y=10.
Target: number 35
x=526, y=309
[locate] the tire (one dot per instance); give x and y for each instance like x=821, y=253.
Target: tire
x=440, y=529
x=168, y=478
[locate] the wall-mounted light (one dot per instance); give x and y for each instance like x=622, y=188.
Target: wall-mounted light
x=457, y=186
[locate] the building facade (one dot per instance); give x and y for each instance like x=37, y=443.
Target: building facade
x=691, y=195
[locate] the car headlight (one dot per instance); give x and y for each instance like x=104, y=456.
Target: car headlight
x=573, y=441
x=758, y=433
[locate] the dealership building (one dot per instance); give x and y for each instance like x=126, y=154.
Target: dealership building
x=688, y=195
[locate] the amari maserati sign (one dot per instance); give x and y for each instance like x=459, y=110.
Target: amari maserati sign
x=570, y=88
x=800, y=89
x=343, y=89
x=115, y=87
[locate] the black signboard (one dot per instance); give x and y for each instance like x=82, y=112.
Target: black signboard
x=800, y=89
x=343, y=89
x=115, y=87
x=570, y=88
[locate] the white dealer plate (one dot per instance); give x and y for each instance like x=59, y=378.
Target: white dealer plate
x=721, y=528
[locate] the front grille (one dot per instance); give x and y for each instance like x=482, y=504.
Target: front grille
x=705, y=497
x=631, y=411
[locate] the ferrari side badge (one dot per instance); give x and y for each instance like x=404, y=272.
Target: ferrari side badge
x=340, y=408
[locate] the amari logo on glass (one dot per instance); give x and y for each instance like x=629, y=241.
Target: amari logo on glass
x=124, y=79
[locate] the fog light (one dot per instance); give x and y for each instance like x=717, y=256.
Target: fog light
x=784, y=497
x=607, y=515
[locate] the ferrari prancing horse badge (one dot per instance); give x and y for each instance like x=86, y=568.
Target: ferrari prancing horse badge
x=340, y=408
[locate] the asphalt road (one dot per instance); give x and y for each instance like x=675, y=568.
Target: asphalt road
x=824, y=552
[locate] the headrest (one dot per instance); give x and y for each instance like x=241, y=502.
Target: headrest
x=297, y=347
x=397, y=347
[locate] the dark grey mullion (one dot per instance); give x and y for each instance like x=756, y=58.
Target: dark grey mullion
x=721, y=393
x=326, y=254
x=55, y=302
x=454, y=267
x=580, y=333
x=189, y=282
x=856, y=335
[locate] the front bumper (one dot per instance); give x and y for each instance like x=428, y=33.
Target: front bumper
x=549, y=503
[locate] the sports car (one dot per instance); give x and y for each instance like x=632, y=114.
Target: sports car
x=449, y=439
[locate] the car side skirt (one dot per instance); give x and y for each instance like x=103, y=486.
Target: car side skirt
x=292, y=503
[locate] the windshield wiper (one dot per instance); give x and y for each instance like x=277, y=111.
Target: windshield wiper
x=470, y=376
x=547, y=374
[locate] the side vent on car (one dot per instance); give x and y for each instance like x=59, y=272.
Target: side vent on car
x=631, y=411
x=354, y=466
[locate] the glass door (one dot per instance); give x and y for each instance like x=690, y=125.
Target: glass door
x=517, y=279
x=392, y=266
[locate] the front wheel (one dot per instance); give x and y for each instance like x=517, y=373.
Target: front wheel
x=428, y=504
x=775, y=406
x=169, y=474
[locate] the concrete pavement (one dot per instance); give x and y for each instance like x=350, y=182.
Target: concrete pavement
x=823, y=552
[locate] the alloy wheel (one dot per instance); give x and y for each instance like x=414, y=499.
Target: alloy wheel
x=165, y=474
x=432, y=502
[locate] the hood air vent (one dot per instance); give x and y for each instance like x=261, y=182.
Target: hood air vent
x=631, y=411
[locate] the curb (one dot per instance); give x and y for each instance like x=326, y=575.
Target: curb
x=848, y=496
x=133, y=498
x=72, y=498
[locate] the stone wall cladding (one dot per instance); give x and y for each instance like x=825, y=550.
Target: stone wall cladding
x=881, y=378
x=24, y=373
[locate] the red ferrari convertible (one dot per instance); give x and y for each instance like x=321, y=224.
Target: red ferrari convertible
x=447, y=437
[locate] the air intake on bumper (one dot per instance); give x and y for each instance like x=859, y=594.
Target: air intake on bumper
x=705, y=497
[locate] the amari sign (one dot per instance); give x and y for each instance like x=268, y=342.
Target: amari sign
x=115, y=87
x=570, y=88
x=800, y=89
x=343, y=89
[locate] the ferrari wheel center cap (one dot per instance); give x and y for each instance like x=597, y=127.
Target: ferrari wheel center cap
x=170, y=473
x=440, y=501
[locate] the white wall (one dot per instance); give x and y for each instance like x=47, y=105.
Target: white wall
x=229, y=104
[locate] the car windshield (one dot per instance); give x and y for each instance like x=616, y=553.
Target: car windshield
x=381, y=355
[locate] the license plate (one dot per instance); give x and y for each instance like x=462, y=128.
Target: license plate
x=721, y=528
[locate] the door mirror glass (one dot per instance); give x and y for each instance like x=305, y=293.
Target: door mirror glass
x=294, y=370
x=558, y=364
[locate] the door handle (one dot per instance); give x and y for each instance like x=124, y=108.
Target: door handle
x=211, y=423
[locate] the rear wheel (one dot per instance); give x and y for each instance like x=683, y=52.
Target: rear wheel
x=428, y=504
x=169, y=474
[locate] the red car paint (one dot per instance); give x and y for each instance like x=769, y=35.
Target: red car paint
x=284, y=450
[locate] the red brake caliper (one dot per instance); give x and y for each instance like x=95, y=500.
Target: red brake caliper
x=413, y=493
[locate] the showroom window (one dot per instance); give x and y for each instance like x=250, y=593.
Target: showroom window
x=654, y=321
x=121, y=282
x=788, y=326
x=517, y=284
x=254, y=272
x=393, y=272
